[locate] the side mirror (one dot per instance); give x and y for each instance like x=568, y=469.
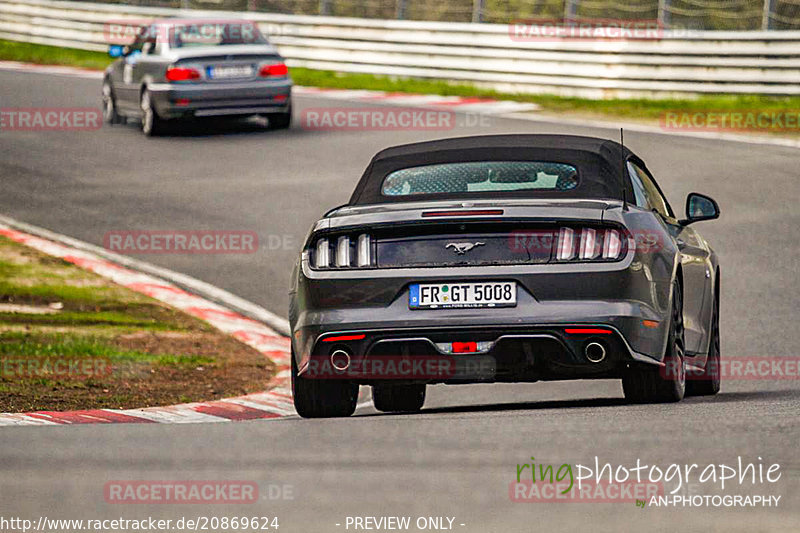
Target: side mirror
x=116, y=50
x=700, y=207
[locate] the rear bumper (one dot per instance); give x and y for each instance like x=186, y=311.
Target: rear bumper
x=246, y=98
x=528, y=342
x=510, y=353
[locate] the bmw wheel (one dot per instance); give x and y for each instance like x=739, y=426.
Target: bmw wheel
x=280, y=121
x=110, y=114
x=152, y=124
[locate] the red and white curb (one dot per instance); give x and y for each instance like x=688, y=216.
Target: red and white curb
x=454, y=103
x=481, y=106
x=274, y=403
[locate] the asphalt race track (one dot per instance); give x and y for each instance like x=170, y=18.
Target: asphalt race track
x=458, y=457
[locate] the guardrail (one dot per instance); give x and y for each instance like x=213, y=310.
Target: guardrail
x=674, y=63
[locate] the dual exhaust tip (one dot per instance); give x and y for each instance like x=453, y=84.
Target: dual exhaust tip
x=595, y=352
x=340, y=360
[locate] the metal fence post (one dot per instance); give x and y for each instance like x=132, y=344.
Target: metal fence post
x=664, y=15
x=477, y=10
x=570, y=9
x=324, y=7
x=400, y=9
x=766, y=18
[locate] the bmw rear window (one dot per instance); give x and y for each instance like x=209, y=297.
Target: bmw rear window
x=215, y=34
x=481, y=176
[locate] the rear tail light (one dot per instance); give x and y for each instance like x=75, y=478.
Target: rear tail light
x=364, y=250
x=322, y=257
x=273, y=71
x=182, y=74
x=589, y=244
x=343, y=252
x=565, y=247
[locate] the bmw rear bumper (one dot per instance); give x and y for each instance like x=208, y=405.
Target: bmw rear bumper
x=173, y=100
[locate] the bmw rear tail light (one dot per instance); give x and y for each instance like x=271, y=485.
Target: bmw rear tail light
x=343, y=252
x=589, y=244
x=275, y=70
x=182, y=74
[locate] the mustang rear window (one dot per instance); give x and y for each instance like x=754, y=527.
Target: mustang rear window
x=481, y=176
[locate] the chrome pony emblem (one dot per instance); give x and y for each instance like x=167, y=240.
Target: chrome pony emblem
x=463, y=247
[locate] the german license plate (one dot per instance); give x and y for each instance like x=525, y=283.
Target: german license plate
x=230, y=71
x=462, y=295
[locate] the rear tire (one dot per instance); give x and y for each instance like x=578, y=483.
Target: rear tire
x=398, y=398
x=152, y=124
x=653, y=384
x=322, y=398
x=280, y=121
x=708, y=383
x=110, y=114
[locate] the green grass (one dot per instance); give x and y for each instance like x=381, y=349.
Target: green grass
x=78, y=319
x=185, y=360
x=52, y=55
x=631, y=108
x=636, y=109
x=62, y=346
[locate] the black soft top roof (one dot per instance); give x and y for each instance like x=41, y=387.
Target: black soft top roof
x=597, y=161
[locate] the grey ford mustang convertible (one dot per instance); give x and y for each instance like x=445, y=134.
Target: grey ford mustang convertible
x=509, y=258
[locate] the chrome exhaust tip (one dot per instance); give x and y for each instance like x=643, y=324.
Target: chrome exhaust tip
x=340, y=360
x=595, y=352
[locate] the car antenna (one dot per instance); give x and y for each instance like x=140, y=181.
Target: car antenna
x=622, y=170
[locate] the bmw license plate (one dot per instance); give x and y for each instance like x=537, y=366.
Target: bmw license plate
x=230, y=71
x=462, y=295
